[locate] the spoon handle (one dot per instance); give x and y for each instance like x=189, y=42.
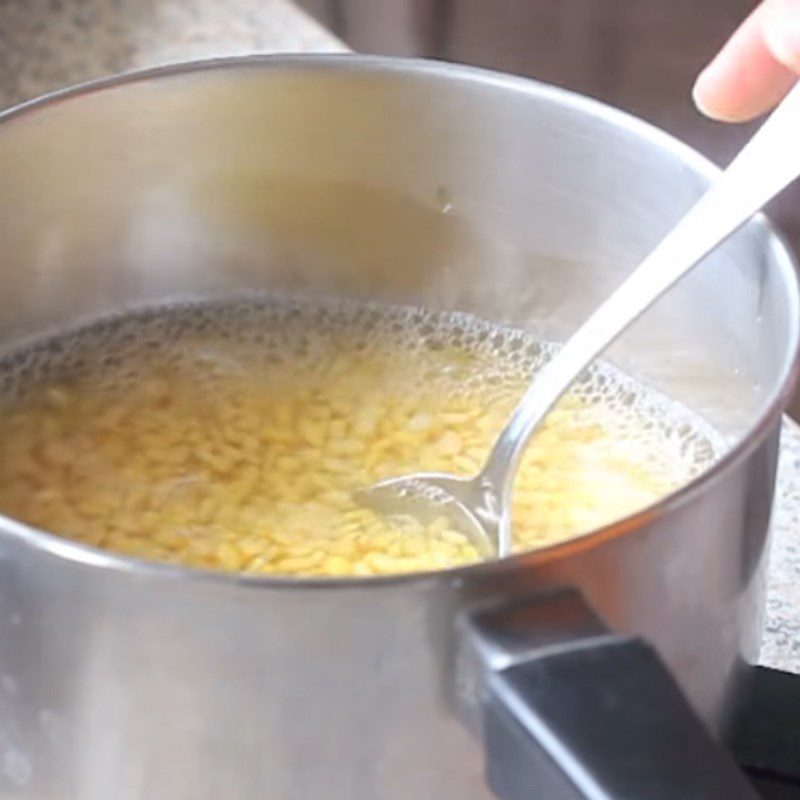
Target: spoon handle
x=765, y=166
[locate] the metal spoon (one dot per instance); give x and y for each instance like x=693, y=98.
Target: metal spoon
x=480, y=506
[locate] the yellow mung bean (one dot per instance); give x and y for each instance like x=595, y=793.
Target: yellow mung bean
x=202, y=450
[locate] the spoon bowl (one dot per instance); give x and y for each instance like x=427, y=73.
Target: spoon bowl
x=471, y=505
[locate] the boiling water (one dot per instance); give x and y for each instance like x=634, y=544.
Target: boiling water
x=232, y=435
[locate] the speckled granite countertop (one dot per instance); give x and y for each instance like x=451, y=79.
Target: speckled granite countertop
x=47, y=44
x=781, y=645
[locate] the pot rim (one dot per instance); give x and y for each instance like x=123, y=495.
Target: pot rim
x=769, y=417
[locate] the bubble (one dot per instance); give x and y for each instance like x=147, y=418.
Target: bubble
x=215, y=339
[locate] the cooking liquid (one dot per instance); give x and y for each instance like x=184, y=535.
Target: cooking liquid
x=232, y=435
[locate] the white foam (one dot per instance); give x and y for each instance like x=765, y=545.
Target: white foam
x=228, y=337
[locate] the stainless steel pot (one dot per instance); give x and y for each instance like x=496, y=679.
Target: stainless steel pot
x=410, y=182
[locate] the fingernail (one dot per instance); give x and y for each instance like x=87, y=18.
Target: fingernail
x=704, y=90
x=698, y=90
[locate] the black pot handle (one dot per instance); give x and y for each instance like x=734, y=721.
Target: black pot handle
x=572, y=711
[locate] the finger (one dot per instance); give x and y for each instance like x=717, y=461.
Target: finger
x=745, y=79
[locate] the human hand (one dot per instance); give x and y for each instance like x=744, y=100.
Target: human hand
x=756, y=67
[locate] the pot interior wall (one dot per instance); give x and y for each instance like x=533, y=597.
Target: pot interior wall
x=492, y=196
